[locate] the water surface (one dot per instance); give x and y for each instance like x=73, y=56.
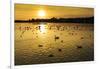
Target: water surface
x=38, y=43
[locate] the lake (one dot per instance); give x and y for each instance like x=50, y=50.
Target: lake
x=40, y=43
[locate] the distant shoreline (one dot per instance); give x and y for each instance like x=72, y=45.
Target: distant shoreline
x=89, y=20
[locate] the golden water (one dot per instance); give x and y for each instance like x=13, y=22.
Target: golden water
x=40, y=43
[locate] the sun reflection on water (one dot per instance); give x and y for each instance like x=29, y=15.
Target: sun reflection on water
x=42, y=28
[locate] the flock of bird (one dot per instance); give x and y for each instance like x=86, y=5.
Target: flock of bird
x=57, y=28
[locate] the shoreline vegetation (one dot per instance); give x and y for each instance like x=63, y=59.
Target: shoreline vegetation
x=89, y=20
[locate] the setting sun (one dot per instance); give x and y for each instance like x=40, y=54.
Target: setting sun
x=41, y=13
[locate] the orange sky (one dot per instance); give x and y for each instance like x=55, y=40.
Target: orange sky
x=29, y=11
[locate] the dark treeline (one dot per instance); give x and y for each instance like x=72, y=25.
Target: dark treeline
x=61, y=20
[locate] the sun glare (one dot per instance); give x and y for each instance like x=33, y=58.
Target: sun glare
x=41, y=13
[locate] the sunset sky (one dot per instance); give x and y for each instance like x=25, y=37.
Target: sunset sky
x=29, y=11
